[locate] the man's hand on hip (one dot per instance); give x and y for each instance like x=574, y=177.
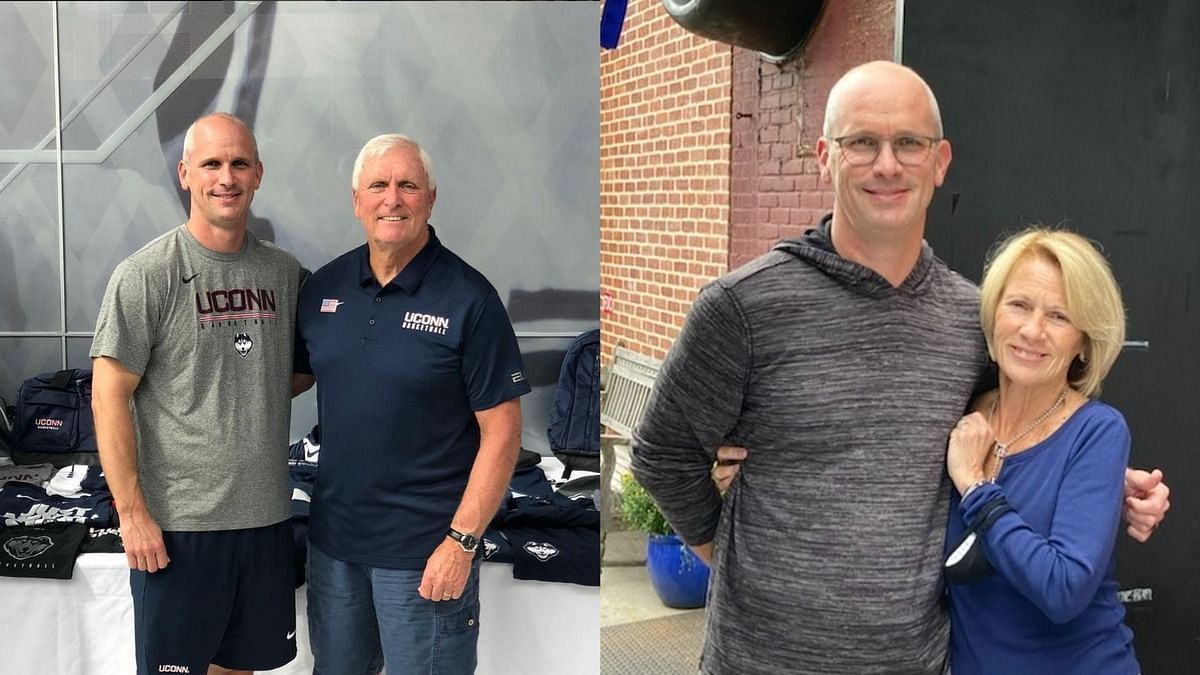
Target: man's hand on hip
x=725, y=469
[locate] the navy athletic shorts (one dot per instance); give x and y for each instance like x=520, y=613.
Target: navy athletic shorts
x=225, y=598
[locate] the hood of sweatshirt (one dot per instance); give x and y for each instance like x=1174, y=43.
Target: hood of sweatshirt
x=816, y=248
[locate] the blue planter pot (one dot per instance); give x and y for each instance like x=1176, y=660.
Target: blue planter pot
x=678, y=576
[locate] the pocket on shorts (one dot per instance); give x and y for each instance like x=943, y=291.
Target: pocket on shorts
x=459, y=617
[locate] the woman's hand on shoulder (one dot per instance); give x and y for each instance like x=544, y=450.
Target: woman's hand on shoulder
x=970, y=442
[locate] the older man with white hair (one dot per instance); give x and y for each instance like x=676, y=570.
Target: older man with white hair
x=419, y=378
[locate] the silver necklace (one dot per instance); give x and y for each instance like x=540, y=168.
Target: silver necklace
x=1000, y=448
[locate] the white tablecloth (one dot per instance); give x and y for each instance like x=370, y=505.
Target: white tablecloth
x=84, y=626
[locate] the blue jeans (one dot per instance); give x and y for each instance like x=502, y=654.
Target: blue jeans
x=360, y=618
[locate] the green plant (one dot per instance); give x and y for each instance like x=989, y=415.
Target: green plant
x=638, y=509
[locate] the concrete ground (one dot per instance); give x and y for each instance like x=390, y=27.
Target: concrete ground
x=627, y=646
x=625, y=592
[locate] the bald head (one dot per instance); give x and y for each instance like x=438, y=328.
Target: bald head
x=878, y=79
x=189, y=139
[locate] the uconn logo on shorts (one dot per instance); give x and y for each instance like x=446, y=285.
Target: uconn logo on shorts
x=426, y=323
x=168, y=668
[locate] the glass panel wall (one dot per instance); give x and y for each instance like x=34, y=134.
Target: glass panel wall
x=503, y=96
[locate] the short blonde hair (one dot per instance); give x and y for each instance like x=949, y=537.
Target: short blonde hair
x=1092, y=296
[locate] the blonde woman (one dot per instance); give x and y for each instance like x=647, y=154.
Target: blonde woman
x=1038, y=468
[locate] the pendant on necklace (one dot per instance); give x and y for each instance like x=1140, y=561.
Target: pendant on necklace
x=999, y=450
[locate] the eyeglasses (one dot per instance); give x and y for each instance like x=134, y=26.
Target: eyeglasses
x=909, y=150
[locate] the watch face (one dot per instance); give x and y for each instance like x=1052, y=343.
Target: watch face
x=467, y=541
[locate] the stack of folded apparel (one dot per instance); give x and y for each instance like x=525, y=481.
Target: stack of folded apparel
x=88, y=479
x=302, y=476
x=77, y=480
x=47, y=550
x=26, y=473
x=45, y=525
x=103, y=540
x=555, y=538
x=528, y=478
x=76, y=494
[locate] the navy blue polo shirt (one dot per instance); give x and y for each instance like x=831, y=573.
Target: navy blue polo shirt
x=401, y=370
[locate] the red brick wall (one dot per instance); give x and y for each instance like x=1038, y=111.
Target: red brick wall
x=664, y=176
x=707, y=157
x=778, y=114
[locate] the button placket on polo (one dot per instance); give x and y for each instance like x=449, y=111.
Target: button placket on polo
x=378, y=299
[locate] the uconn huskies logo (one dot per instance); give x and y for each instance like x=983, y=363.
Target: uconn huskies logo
x=541, y=550
x=489, y=549
x=168, y=668
x=243, y=344
x=24, y=548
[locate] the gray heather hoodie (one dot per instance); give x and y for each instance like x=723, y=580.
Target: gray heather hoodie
x=844, y=389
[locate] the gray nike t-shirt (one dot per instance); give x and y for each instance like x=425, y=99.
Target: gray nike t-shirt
x=211, y=335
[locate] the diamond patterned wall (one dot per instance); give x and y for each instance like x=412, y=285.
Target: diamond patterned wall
x=504, y=96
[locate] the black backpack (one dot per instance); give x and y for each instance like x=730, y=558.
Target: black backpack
x=53, y=413
x=574, y=431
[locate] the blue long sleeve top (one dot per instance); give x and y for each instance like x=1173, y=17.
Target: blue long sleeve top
x=1051, y=605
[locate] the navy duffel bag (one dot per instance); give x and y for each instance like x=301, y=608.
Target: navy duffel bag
x=53, y=413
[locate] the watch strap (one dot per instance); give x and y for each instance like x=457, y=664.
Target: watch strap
x=466, y=541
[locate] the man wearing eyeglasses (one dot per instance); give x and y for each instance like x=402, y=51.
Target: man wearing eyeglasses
x=842, y=358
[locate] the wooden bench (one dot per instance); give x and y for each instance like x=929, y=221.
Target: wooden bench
x=627, y=384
